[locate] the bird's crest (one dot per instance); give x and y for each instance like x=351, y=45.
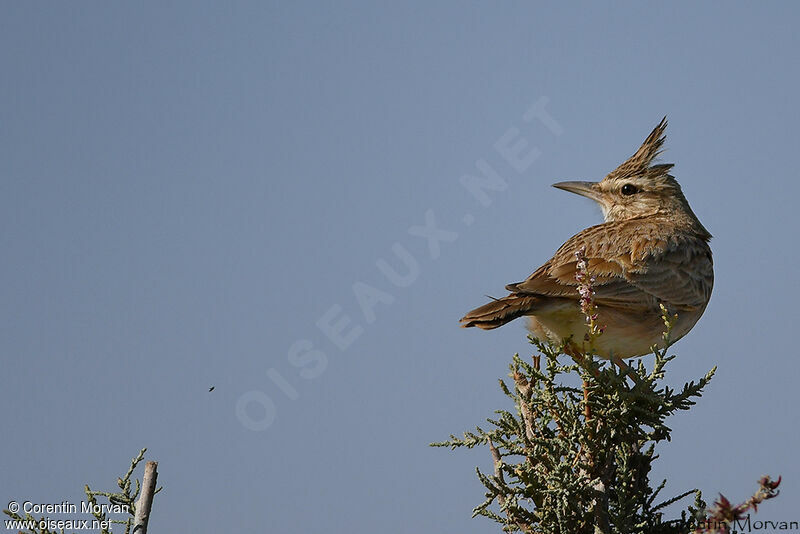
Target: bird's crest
x=641, y=162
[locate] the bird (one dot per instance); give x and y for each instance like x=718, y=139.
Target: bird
x=651, y=250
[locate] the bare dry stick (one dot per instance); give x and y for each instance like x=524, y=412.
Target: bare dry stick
x=145, y=502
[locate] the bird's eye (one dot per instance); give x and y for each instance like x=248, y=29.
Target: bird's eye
x=629, y=189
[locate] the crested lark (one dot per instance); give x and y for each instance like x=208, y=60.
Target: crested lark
x=650, y=250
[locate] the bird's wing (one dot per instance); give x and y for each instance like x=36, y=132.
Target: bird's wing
x=682, y=275
x=611, y=288
x=629, y=273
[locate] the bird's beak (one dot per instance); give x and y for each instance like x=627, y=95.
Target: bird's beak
x=585, y=189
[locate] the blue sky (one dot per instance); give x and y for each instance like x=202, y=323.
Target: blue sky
x=189, y=189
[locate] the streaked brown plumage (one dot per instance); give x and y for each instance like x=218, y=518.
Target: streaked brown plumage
x=651, y=249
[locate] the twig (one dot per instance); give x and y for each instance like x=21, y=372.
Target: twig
x=498, y=473
x=528, y=417
x=627, y=370
x=587, y=409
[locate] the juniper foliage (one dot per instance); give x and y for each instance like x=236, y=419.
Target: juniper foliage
x=576, y=456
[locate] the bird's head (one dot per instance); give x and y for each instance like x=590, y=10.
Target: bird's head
x=638, y=188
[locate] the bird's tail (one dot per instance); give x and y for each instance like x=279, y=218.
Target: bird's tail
x=499, y=312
